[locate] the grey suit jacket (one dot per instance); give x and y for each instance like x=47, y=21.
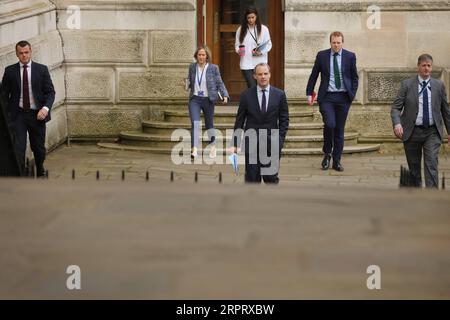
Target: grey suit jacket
x=214, y=81
x=405, y=107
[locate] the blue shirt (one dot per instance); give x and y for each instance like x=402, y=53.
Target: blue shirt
x=332, y=85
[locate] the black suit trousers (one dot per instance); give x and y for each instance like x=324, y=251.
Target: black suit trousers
x=255, y=167
x=28, y=122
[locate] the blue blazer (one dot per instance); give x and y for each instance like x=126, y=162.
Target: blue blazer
x=214, y=81
x=276, y=116
x=41, y=85
x=322, y=66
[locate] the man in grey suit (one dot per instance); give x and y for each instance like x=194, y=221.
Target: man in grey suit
x=418, y=115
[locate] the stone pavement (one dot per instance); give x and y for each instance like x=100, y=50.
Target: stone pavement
x=371, y=170
x=311, y=237
x=167, y=240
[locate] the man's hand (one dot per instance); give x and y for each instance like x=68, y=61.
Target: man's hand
x=398, y=131
x=234, y=150
x=225, y=100
x=42, y=114
x=310, y=102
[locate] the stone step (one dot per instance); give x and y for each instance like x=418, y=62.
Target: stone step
x=359, y=148
x=137, y=138
x=228, y=115
x=167, y=128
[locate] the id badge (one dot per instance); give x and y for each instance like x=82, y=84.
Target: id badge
x=201, y=93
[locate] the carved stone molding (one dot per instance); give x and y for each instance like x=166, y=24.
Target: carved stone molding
x=362, y=5
x=383, y=86
x=129, y=5
x=13, y=10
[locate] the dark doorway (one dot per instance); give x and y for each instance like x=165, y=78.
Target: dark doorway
x=223, y=17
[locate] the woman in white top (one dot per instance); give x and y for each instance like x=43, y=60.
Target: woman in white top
x=252, y=44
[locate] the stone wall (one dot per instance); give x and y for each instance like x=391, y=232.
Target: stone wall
x=126, y=62
x=127, y=59
x=35, y=21
x=385, y=56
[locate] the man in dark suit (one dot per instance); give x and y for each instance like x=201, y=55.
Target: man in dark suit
x=29, y=90
x=338, y=86
x=264, y=111
x=418, y=115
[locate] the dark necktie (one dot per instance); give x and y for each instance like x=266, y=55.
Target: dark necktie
x=426, y=116
x=25, y=89
x=337, y=77
x=263, y=101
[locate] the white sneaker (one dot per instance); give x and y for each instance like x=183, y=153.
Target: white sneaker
x=213, y=152
x=194, y=153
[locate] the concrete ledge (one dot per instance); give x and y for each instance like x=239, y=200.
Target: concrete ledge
x=14, y=10
x=362, y=5
x=128, y=5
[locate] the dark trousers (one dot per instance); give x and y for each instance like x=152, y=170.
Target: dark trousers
x=248, y=76
x=196, y=105
x=253, y=170
x=427, y=142
x=334, y=109
x=28, y=122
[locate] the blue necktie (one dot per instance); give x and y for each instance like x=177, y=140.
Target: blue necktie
x=263, y=101
x=426, y=116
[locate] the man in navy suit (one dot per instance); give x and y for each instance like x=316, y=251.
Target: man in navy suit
x=29, y=90
x=338, y=86
x=264, y=111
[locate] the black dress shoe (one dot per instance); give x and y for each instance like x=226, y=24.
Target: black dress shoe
x=338, y=167
x=40, y=172
x=326, y=161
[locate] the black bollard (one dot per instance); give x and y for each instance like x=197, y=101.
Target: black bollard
x=46, y=174
x=196, y=177
x=220, y=177
x=123, y=175
x=73, y=174
x=401, y=177
x=171, y=176
x=443, y=181
x=147, y=176
x=98, y=175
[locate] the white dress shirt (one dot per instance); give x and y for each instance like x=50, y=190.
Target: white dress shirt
x=260, y=94
x=202, y=86
x=32, y=102
x=419, y=119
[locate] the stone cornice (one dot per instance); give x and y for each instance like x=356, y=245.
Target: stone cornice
x=13, y=10
x=126, y=5
x=362, y=5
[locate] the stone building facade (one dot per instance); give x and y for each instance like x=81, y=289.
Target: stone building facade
x=125, y=60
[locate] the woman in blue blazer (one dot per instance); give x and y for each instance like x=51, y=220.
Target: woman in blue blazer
x=206, y=87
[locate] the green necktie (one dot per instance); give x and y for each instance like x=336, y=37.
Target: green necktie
x=337, y=77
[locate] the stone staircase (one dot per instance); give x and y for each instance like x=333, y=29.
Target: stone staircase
x=304, y=135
